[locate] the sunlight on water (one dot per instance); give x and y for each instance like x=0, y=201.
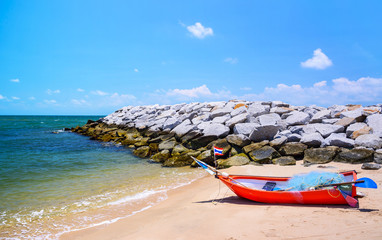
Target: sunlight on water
x=53, y=183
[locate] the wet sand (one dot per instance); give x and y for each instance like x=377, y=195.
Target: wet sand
x=206, y=209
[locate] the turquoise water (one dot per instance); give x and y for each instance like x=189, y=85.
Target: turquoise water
x=52, y=183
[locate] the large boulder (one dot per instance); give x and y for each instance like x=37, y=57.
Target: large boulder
x=354, y=127
x=254, y=146
x=362, y=131
x=220, y=112
x=201, y=141
x=237, y=119
x=369, y=141
x=312, y=139
x=160, y=157
x=142, y=152
x=257, y=109
x=207, y=157
x=183, y=128
x=167, y=144
x=321, y=115
x=277, y=142
x=293, y=149
x=238, y=140
x=266, y=132
x=237, y=160
x=346, y=121
x=264, y=154
x=320, y=155
x=181, y=160
x=170, y=123
x=339, y=140
x=284, y=161
x=269, y=119
x=216, y=129
x=239, y=110
x=244, y=128
x=326, y=129
x=356, y=155
x=375, y=122
x=357, y=114
x=222, y=119
x=297, y=118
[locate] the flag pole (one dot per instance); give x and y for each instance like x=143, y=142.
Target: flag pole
x=216, y=173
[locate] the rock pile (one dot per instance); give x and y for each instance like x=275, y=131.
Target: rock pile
x=249, y=132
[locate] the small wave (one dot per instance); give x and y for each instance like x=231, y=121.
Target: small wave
x=138, y=196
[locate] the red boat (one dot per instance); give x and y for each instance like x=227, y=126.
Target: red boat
x=275, y=189
x=251, y=187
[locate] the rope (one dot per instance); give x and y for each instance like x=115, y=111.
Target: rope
x=215, y=202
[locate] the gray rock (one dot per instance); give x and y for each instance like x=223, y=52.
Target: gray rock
x=238, y=111
x=237, y=160
x=241, y=118
x=321, y=115
x=277, y=142
x=339, y=140
x=326, y=129
x=284, y=161
x=264, y=154
x=375, y=122
x=244, y=128
x=356, y=155
x=220, y=112
x=216, y=129
x=345, y=121
x=261, y=133
x=256, y=110
x=354, y=127
x=357, y=114
x=170, y=123
x=279, y=104
x=222, y=119
x=167, y=144
x=183, y=128
x=371, y=166
x=294, y=137
x=269, y=119
x=320, y=155
x=238, y=140
x=293, y=149
x=369, y=141
x=312, y=139
x=330, y=121
x=297, y=118
x=378, y=156
x=280, y=110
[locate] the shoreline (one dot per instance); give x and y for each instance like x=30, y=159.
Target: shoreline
x=189, y=213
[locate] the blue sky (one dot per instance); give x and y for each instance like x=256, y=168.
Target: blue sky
x=94, y=57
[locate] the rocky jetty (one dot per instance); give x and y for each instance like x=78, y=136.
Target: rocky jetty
x=249, y=132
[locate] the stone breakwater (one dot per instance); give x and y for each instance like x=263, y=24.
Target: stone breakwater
x=249, y=132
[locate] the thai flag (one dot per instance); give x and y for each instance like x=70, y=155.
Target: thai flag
x=218, y=151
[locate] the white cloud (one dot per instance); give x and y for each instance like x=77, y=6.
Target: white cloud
x=16, y=80
x=80, y=90
x=2, y=97
x=15, y=98
x=32, y=98
x=192, y=93
x=51, y=92
x=99, y=93
x=199, y=31
x=231, y=60
x=340, y=91
x=136, y=70
x=78, y=101
x=318, y=61
x=50, y=101
x=245, y=88
x=320, y=84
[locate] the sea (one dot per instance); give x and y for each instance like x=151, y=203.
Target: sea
x=54, y=181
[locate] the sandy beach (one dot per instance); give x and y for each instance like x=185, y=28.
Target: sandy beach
x=206, y=209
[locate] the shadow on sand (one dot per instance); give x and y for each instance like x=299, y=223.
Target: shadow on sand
x=243, y=201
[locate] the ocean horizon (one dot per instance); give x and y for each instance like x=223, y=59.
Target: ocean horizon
x=54, y=181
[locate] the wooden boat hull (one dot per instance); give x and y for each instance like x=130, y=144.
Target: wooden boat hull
x=322, y=196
